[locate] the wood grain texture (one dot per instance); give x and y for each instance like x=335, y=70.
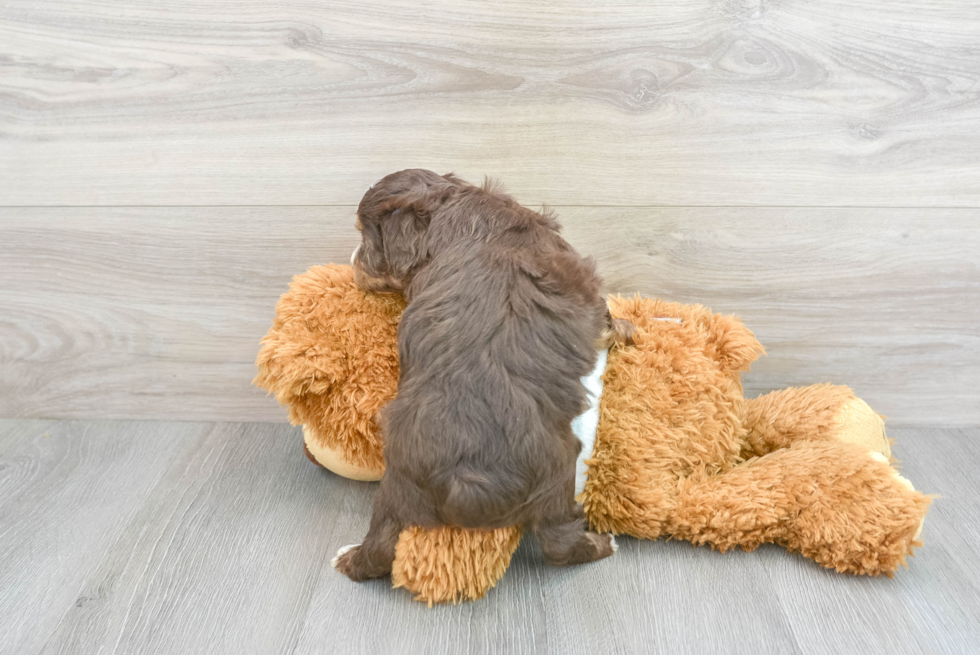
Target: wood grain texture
x=149, y=312
x=700, y=102
x=67, y=493
x=221, y=558
x=886, y=301
x=227, y=532
x=938, y=616
x=157, y=312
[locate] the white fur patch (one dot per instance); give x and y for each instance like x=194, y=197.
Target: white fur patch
x=584, y=426
x=340, y=552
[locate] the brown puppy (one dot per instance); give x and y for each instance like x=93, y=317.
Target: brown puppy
x=502, y=322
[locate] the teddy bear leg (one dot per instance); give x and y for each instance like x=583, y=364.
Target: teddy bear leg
x=309, y=455
x=336, y=459
x=822, y=412
x=450, y=565
x=841, y=505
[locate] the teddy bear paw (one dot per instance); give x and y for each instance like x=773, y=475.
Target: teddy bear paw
x=905, y=482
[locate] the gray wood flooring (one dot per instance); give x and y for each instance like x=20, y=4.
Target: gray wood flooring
x=156, y=538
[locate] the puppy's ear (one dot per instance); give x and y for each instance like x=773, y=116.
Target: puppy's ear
x=371, y=251
x=400, y=207
x=405, y=237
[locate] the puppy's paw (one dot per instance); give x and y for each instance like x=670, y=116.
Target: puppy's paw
x=605, y=545
x=354, y=562
x=591, y=547
x=345, y=561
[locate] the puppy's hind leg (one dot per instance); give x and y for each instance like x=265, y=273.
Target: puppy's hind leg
x=565, y=544
x=373, y=558
x=563, y=533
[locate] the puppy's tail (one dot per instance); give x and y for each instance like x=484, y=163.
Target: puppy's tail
x=473, y=501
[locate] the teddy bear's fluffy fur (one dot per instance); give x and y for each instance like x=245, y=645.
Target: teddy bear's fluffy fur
x=678, y=452
x=331, y=358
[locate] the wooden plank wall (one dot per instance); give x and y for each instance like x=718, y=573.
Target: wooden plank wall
x=165, y=169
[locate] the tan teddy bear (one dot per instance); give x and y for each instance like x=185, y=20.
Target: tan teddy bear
x=670, y=448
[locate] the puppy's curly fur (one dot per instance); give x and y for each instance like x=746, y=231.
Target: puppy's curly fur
x=502, y=322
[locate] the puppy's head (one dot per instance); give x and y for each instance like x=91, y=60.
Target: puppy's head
x=394, y=217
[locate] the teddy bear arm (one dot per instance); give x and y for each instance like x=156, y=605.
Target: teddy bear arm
x=450, y=565
x=821, y=412
x=838, y=504
x=325, y=330
x=292, y=363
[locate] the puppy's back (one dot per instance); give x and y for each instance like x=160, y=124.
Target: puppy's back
x=498, y=333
